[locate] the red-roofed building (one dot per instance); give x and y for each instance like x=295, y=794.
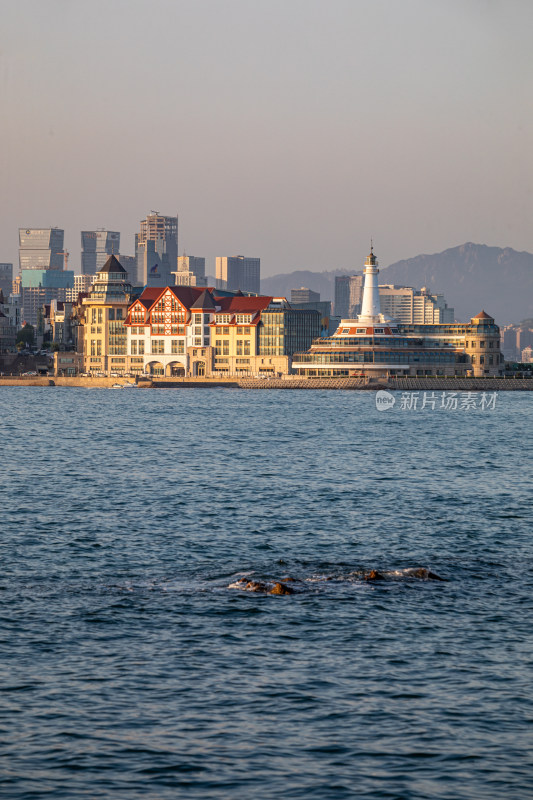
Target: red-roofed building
x=189, y=330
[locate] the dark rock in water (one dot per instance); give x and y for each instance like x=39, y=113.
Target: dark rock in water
x=256, y=586
x=374, y=575
x=425, y=574
x=280, y=588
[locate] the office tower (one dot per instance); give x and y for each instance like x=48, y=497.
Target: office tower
x=40, y=287
x=6, y=279
x=348, y=295
x=130, y=265
x=190, y=272
x=304, y=295
x=156, y=250
x=41, y=248
x=238, y=272
x=410, y=306
x=96, y=247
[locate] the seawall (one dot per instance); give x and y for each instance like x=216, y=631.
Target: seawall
x=289, y=382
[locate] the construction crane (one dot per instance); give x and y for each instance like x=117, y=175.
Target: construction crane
x=65, y=255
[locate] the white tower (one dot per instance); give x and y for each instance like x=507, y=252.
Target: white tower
x=370, y=307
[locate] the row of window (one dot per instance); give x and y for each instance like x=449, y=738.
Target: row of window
x=481, y=344
x=177, y=347
x=97, y=315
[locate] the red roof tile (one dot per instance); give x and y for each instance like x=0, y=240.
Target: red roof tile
x=243, y=305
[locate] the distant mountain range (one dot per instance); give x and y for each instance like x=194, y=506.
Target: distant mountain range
x=471, y=277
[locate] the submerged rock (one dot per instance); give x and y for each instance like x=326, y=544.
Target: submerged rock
x=374, y=575
x=422, y=572
x=280, y=588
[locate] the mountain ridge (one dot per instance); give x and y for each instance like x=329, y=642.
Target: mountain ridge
x=498, y=279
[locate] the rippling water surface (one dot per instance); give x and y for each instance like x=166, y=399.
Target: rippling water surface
x=130, y=670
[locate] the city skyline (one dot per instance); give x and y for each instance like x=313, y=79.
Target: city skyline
x=407, y=122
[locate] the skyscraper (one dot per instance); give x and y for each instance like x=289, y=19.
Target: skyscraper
x=238, y=272
x=348, y=295
x=6, y=279
x=156, y=250
x=41, y=248
x=97, y=246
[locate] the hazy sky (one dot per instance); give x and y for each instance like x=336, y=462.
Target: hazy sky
x=293, y=130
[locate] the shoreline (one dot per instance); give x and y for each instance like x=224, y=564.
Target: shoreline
x=409, y=384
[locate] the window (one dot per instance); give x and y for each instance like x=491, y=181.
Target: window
x=239, y=347
x=99, y=347
x=118, y=313
x=133, y=331
x=482, y=359
x=198, y=341
x=93, y=347
x=100, y=316
x=225, y=348
x=206, y=318
x=482, y=344
x=247, y=347
x=345, y=330
x=491, y=343
x=218, y=347
x=158, y=346
x=141, y=347
x=134, y=347
x=93, y=316
x=111, y=313
x=361, y=330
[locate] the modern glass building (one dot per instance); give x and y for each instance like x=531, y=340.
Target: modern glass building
x=285, y=331
x=96, y=247
x=6, y=279
x=40, y=286
x=238, y=272
x=41, y=248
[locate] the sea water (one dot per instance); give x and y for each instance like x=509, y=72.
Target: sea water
x=130, y=670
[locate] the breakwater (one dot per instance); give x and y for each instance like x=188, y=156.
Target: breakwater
x=288, y=382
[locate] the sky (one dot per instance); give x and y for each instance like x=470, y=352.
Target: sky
x=292, y=130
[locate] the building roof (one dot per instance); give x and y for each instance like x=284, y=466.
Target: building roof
x=112, y=265
x=204, y=301
x=243, y=305
x=482, y=315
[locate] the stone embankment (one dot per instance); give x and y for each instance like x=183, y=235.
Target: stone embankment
x=289, y=382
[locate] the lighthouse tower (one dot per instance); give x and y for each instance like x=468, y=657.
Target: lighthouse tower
x=370, y=307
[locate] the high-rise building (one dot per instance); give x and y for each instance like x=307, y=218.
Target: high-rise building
x=6, y=279
x=40, y=287
x=238, y=272
x=190, y=272
x=410, y=306
x=156, y=250
x=348, y=295
x=41, y=248
x=304, y=295
x=82, y=285
x=96, y=247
